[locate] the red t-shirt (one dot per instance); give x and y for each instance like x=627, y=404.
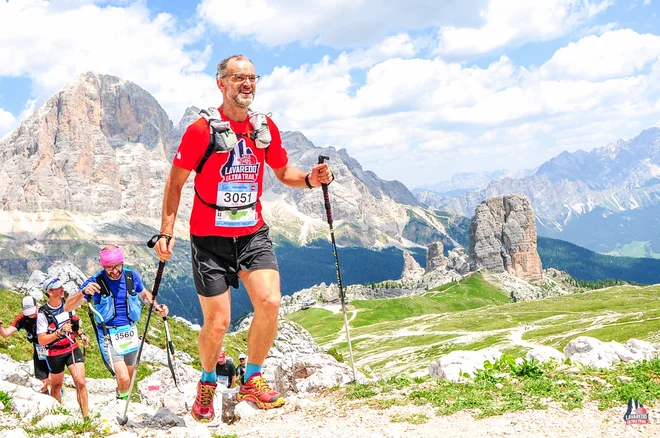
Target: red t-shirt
x=228, y=178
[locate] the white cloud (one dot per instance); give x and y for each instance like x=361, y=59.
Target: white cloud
x=431, y=112
x=614, y=54
x=509, y=22
x=51, y=43
x=6, y=121
x=404, y=112
x=339, y=23
x=647, y=2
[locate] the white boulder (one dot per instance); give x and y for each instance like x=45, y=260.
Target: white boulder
x=452, y=365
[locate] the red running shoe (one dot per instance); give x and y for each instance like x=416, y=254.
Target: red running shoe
x=202, y=409
x=260, y=393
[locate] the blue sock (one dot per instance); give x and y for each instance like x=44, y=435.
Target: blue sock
x=209, y=377
x=251, y=369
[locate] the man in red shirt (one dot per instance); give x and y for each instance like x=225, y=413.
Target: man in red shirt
x=228, y=236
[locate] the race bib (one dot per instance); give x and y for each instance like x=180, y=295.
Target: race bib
x=236, y=195
x=42, y=353
x=124, y=339
x=223, y=380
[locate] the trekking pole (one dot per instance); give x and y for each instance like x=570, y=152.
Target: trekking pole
x=342, y=297
x=159, y=274
x=171, y=360
x=106, y=338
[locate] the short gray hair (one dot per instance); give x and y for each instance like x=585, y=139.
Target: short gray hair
x=221, y=71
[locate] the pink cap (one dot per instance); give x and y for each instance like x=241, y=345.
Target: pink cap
x=111, y=257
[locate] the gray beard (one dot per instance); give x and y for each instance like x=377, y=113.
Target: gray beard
x=243, y=102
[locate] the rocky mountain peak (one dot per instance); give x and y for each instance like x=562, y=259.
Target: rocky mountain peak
x=411, y=269
x=85, y=149
x=435, y=258
x=503, y=238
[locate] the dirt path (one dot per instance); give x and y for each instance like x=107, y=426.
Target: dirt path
x=516, y=338
x=331, y=416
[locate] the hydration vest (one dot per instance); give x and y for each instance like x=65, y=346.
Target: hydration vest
x=106, y=307
x=223, y=139
x=62, y=343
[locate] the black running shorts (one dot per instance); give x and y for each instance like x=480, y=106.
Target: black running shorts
x=56, y=364
x=217, y=260
x=40, y=366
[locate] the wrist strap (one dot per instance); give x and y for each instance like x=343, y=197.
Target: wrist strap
x=156, y=237
x=307, y=181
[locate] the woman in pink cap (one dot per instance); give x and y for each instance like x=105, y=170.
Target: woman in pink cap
x=118, y=294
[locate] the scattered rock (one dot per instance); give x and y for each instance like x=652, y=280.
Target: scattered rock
x=16, y=433
x=451, y=365
x=593, y=352
x=245, y=410
x=54, y=420
x=544, y=353
x=307, y=373
x=27, y=403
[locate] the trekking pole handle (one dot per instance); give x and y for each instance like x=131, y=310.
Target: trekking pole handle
x=159, y=275
x=326, y=195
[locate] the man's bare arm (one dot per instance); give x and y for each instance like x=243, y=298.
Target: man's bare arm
x=7, y=332
x=294, y=177
x=74, y=301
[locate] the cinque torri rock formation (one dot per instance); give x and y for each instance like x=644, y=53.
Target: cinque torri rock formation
x=503, y=238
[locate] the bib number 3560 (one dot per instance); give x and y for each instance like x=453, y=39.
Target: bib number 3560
x=124, y=339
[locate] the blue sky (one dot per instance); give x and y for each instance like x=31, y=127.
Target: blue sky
x=415, y=93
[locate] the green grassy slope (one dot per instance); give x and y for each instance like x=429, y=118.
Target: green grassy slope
x=404, y=334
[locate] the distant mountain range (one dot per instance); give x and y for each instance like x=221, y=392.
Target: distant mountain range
x=89, y=167
x=605, y=199
x=464, y=182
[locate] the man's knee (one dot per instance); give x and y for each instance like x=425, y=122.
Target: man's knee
x=269, y=303
x=218, y=324
x=81, y=384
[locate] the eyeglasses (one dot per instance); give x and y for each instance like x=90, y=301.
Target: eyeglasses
x=239, y=78
x=242, y=358
x=118, y=268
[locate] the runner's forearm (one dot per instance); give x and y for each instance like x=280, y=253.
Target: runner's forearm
x=74, y=301
x=172, y=198
x=7, y=332
x=47, y=338
x=291, y=176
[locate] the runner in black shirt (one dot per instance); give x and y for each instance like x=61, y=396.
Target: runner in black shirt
x=225, y=371
x=28, y=321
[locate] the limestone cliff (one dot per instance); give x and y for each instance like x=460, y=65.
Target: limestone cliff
x=503, y=238
x=98, y=145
